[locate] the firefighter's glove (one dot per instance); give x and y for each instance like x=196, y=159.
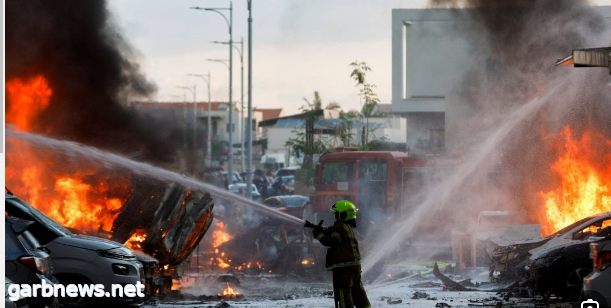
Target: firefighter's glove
x=316, y=232
x=309, y=224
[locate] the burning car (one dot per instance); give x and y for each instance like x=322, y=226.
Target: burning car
x=561, y=269
x=509, y=262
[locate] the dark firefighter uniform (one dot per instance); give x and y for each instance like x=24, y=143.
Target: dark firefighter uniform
x=344, y=259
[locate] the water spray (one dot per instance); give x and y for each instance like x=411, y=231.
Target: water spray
x=109, y=159
x=444, y=190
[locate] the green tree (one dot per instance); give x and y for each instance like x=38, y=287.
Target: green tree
x=333, y=106
x=316, y=104
x=305, y=143
x=368, y=97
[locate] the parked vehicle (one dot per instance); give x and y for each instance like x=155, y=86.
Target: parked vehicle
x=560, y=270
x=597, y=285
x=8, y=303
x=26, y=260
x=287, y=171
x=79, y=259
x=509, y=262
x=235, y=188
x=298, y=206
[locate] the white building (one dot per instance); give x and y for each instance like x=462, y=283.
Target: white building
x=432, y=50
x=428, y=60
x=278, y=131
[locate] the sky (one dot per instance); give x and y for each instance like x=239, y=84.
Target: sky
x=299, y=46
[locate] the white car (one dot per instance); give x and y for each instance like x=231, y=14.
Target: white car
x=235, y=188
x=80, y=259
x=597, y=285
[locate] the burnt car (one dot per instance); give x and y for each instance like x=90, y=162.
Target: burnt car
x=509, y=262
x=26, y=260
x=298, y=206
x=560, y=270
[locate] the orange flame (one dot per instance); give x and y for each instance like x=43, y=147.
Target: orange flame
x=222, y=264
x=584, y=188
x=28, y=98
x=135, y=241
x=80, y=198
x=228, y=291
x=219, y=236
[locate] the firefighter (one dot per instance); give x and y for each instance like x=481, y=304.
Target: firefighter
x=343, y=256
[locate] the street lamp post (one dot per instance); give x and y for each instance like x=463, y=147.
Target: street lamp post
x=229, y=24
x=208, y=160
x=192, y=90
x=241, y=52
x=249, y=170
x=230, y=128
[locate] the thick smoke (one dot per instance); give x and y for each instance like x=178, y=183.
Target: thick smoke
x=91, y=70
x=516, y=101
x=516, y=52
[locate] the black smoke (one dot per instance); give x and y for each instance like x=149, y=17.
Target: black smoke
x=91, y=69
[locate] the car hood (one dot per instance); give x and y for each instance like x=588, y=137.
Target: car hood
x=87, y=242
x=517, y=235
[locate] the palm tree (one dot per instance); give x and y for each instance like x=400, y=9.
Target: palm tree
x=333, y=106
x=316, y=104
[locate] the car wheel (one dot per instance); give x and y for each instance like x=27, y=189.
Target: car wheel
x=573, y=284
x=307, y=213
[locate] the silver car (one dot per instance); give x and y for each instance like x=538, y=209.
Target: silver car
x=597, y=285
x=80, y=259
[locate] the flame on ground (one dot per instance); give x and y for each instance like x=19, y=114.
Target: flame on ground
x=585, y=189
x=228, y=291
x=80, y=198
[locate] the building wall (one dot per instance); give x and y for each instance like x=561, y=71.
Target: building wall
x=277, y=137
x=393, y=130
x=429, y=55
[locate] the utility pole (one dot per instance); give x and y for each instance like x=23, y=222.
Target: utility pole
x=230, y=126
x=249, y=170
x=241, y=112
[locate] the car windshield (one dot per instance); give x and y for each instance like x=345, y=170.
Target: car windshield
x=287, y=179
x=569, y=227
x=338, y=172
x=295, y=201
x=41, y=218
